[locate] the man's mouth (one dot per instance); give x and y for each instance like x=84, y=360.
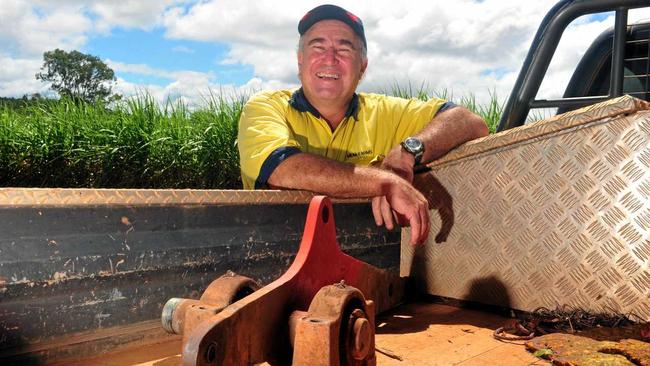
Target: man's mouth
x=326, y=75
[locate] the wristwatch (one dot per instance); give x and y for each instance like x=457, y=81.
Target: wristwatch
x=415, y=147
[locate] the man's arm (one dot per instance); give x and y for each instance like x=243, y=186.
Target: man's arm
x=319, y=174
x=446, y=130
x=449, y=129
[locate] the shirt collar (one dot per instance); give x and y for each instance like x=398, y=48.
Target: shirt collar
x=300, y=103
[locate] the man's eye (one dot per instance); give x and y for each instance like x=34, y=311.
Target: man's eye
x=319, y=48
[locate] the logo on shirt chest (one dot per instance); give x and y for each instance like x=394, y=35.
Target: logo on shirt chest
x=353, y=155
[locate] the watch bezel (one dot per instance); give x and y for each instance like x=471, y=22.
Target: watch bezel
x=415, y=147
x=413, y=144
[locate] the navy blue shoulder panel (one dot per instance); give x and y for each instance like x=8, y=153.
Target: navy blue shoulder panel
x=446, y=106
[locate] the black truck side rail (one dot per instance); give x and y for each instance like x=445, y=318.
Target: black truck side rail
x=522, y=97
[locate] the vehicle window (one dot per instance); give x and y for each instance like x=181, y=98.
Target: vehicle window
x=636, y=68
x=575, y=41
x=637, y=65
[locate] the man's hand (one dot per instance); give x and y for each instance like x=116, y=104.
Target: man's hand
x=409, y=205
x=384, y=208
x=399, y=162
x=445, y=131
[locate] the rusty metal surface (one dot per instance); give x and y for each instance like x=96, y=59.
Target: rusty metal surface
x=66, y=270
x=338, y=329
x=583, y=350
x=256, y=328
x=561, y=217
x=84, y=344
x=181, y=316
x=413, y=334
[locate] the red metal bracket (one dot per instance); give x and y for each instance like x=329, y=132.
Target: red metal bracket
x=257, y=328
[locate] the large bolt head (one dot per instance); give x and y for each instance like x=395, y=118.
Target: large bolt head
x=361, y=338
x=167, y=316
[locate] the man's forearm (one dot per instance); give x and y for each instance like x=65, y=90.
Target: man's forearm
x=443, y=133
x=449, y=129
x=318, y=174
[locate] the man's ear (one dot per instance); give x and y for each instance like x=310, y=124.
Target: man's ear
x=364, y=65
x=299, y=57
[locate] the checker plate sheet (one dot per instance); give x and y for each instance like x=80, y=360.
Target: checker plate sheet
x=553, y=213
x=17, y=197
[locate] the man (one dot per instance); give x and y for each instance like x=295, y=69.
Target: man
x=326, y=138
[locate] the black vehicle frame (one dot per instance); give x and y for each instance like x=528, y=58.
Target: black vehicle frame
x=522, y=97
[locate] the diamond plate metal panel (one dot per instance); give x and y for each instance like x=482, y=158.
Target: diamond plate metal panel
x=557, y=212
x=15, y=197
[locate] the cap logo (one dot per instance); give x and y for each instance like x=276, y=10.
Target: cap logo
x=353, y=17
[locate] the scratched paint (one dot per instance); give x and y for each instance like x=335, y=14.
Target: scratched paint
x=117, y=265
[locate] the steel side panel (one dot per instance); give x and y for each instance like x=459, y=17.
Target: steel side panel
x=557, y=213
x=70, y=264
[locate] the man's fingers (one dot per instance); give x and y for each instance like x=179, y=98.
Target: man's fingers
x=421, y=217
x=415, y=229
x=382, y=212
x=376, y=210
x=426, y=226
x=387, y=213
x=397, y=219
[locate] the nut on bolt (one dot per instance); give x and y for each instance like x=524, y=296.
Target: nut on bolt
x=168, y=315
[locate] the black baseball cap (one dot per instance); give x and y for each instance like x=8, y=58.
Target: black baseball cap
x=324, y=12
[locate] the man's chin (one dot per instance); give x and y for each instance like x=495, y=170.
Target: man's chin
x=328, y=94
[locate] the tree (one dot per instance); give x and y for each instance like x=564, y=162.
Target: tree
x=77, y=75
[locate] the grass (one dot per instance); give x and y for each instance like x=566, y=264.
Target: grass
x=490, y=112
x=139, y=143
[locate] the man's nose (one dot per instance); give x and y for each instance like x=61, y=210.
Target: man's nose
x=330, y=56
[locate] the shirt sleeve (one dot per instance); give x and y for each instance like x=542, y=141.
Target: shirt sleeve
x=264, y=138
x=410, y=116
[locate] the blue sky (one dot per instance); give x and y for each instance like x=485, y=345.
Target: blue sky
x=185, y=49
x=150, y=47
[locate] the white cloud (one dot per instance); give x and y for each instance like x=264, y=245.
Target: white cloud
x=461, y=46
x=192, y=87
x=143, y=14
x=572, y=46
x=29, y=28
x=27, y=31
x=449, y=45
x=17, y=77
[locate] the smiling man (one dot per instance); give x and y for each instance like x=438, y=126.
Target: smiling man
x=326, y=138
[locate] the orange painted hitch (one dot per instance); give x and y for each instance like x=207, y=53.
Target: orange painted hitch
x=320, y=312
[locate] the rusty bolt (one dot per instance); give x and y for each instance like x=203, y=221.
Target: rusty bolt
x=360, y=337
x=168, y=315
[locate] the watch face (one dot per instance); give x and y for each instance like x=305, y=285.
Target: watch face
x=413, y=144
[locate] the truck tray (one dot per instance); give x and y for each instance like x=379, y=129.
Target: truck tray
x=418, y=333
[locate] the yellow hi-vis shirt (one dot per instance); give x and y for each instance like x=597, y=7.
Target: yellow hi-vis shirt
x=278, y=124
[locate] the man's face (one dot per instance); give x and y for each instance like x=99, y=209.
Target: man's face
x=330, y=64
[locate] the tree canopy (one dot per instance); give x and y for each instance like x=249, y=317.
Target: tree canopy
x=77, y=75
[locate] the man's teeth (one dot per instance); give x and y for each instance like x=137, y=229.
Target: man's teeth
x=326, y=75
